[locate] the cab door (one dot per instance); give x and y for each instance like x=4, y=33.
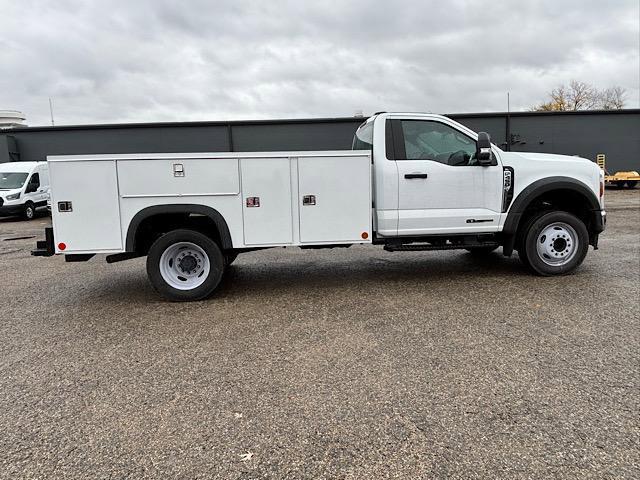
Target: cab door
x=441, y=188
x=34, y=191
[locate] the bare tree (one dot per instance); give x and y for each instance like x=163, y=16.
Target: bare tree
x=612, y=98
x=582, y=96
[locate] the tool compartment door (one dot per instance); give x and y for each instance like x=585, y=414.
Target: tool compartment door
x=266, y=199
x=93, y=224
x=335, y=199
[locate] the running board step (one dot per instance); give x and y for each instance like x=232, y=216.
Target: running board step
x=423, y=247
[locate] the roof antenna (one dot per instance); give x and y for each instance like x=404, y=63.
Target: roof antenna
x=51, y=111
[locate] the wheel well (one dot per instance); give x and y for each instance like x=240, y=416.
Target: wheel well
x=566, y=200
x=151, y=223
x=554, y=193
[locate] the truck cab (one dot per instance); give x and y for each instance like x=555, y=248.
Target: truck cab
x=438, y=184
x=411, y=182
x=428, y=179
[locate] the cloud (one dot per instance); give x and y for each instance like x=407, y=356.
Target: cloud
x=161, y=60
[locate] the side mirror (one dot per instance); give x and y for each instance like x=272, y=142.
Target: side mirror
x=483, y=149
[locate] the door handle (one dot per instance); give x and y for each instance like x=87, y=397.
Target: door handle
x=415, y=175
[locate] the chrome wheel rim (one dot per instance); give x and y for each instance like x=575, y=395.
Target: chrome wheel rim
x=184, y=266
x=30, y=212
x=557, y=244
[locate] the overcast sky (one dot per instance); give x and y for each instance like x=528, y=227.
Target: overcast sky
x=163, y=60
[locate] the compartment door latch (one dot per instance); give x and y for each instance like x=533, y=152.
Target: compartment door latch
x=178, y=170
x=309, y=200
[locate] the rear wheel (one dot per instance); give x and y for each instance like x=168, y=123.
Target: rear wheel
x=632, y=183
x=619, y=183
x=185, y=265
x=554, y=243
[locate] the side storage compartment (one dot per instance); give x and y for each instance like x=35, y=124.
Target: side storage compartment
x=84, y=206
x=266, y=201
x=335, y=199
x=176, y=177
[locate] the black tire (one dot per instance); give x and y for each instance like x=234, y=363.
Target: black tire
x=229, y=258
x=29, y=211
x=619, y=184
x=632, y=183
x=212, y=280
x=575, y=244
x=481, y=251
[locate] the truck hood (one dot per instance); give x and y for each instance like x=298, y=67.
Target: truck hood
x=546, y=157
x=5, y=192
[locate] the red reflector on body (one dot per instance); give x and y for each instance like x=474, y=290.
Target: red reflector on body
x=62, y=246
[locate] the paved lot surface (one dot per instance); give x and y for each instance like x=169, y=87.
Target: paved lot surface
x=324, y=364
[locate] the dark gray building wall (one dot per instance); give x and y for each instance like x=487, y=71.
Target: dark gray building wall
x=617, y=136
x=8, y=149
x=614, y=133
x=35, y=143
x=494, y=126
x=326, y=135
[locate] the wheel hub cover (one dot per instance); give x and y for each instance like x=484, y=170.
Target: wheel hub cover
x=187, y=263
x=556, y=244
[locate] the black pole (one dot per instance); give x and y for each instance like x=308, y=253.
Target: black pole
x=508, y=125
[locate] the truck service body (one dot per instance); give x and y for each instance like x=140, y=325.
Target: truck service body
x=412, y=182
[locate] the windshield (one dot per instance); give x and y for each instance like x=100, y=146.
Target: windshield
x=11, y=180
x=363, y=139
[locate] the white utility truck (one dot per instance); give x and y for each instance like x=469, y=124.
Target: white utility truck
x=412, y=182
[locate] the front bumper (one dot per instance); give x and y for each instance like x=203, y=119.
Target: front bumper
x=10, y=210
x=599, y=220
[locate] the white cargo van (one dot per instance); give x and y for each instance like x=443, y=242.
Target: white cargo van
x=24, y=187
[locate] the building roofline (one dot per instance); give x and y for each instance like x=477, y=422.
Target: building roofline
x=293, y=121
x=632, y=111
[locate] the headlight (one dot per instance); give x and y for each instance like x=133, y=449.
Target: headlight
x=14, y=196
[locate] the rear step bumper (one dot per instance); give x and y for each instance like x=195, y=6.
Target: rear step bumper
x=46, y=247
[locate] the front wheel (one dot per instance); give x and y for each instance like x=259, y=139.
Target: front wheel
x=29, y=211
x=555, y=243
x=185, y=265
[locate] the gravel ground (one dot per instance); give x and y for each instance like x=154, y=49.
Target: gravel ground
x=351, y=363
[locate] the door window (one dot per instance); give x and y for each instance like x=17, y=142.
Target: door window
x=426, y=140
x=34, y=183
x=363, y=139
